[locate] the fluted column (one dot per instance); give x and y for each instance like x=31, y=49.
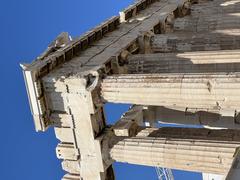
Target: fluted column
x=198, y=117
x=211, y=91
x=215, y=7
x=128, y=124
x=198, y=152
x=189, y=62
x=219, y=23
x=182, y=42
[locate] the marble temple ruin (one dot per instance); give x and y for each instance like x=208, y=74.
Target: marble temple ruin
x=175, y=62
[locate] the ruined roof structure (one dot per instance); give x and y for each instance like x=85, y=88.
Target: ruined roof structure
x=177, y=62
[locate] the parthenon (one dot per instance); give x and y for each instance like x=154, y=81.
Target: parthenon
x=175, y=62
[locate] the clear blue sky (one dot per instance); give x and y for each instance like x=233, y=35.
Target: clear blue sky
x=26, y=28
